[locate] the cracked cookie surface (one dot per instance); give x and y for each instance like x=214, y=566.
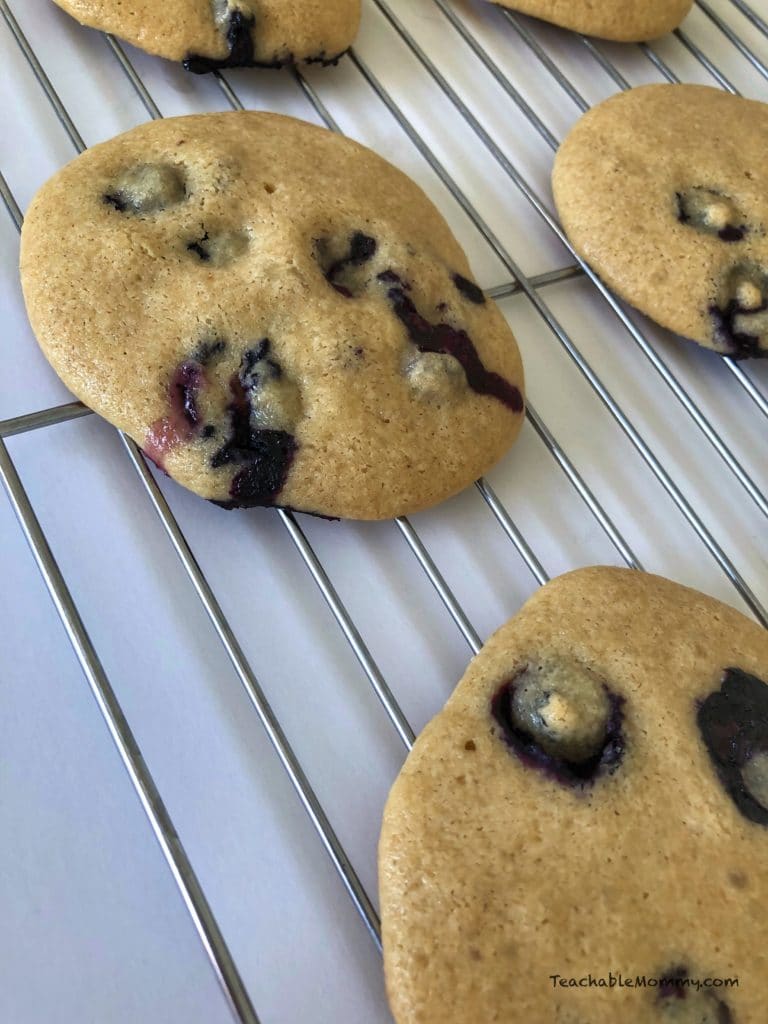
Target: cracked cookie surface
x=275, y=314
x=210, y=34
x=622, y=20
x=592, y=798
x=663, y=190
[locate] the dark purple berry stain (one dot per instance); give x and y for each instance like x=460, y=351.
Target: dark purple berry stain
x=199, y=248
x=239, y=45
x=574, y=774
x=469, y=289
x=733, y=722
x=117, y=200
x=362, y=248
x=689, y=212
x=443, y=338
x=741, y=344
x=736, y=336
x=183, y=422
x=147, y=189
x=208, y=351
x=732, y=233
x=265, y=456
x=705, y=1007
x=240, y=53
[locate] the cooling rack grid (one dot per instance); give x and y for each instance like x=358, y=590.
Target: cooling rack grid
x=342, y=638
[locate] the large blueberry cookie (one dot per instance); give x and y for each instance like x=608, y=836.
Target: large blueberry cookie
x=663, y=190
x=592, y=803
x=210, y=34
x=622, y=20
x=274, y=313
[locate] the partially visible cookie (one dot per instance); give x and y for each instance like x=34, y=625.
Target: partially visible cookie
x=274, y=313
x=628, y=21
x=210, y=34
x=663, y=190
x=592, y=802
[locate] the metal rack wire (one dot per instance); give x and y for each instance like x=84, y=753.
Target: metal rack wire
x=532, y=288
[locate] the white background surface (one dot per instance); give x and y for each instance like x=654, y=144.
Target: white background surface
x=92, y=930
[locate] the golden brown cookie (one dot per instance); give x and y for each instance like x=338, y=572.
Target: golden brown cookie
x=274, y=313
x=592, y=803
x=623, y=20
x=663, y=190
x=210, y=34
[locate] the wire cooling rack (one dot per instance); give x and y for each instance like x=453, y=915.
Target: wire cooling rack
x=638, y=450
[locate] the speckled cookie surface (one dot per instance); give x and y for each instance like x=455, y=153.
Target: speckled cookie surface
x=593, y=800
x=622, y=20
x=274, y=313
x=664, y=192
x=209, y=34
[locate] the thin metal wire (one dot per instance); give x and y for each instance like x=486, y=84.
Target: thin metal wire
x=133, y=761
x=751, y=15
x=704, y=60
x=562, y=336
x=508, y=526
x=141, y=90
x=348, y=628
x=733, y=38
x=9, y=201
x=661, y=66
x=43, y=418
x=29, y=55
x=445, y=593
x=610, y=69
x=637, y=336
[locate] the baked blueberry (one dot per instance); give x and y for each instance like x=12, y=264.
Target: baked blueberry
x=712, y=213
x=147, y=188
x=733, y=722
x=219, y=248
x=341, y=271
x=450, y=341
x=560, y=717
x=469, y=289
x=681, y=1000
x=740, y=316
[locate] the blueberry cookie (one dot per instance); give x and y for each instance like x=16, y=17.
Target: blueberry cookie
x=663, y=190
x=592, y=803
x=628, y=21
x=274, y=313
x=210, y=34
